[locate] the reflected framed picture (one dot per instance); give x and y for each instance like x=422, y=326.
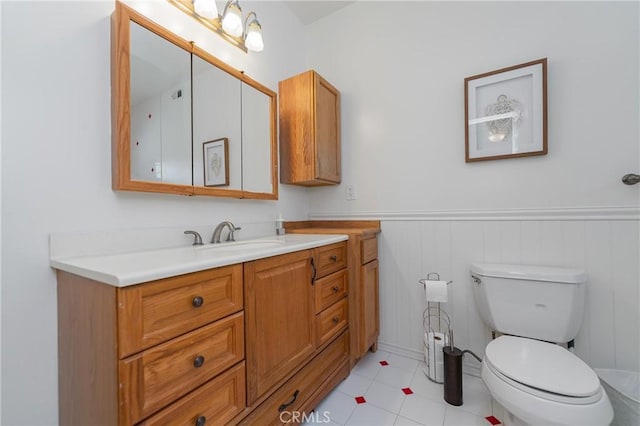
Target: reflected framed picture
x=216, y=162
x=506, y=112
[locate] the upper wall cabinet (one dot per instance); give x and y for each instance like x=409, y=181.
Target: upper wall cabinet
x=309, y=131
x=185, y=122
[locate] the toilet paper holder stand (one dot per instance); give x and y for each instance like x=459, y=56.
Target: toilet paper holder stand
x=436, y=323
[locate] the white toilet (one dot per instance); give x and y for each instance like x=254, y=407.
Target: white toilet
x=537, y=381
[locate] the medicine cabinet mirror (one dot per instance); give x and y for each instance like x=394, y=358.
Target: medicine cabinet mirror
x=169, y=99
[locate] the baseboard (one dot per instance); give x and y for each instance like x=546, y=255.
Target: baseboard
x=400, y=350
x=470, y=365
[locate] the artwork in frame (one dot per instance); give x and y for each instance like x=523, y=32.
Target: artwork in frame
x=216, y=162
x=506, y=112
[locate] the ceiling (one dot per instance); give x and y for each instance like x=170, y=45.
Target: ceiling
x=309, y=11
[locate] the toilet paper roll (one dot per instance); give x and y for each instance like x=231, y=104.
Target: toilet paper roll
x=439, y=359
x=434, y=343
x=429, y=354
x=436, y=291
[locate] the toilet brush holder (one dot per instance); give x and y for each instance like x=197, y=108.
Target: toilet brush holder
x=452, y=375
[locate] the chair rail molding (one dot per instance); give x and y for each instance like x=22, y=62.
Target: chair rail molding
x=566, y=213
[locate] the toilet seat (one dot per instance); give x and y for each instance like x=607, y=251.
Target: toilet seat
x=541, y=393
x=542, y=410
x=519, y=374
x=542, y=368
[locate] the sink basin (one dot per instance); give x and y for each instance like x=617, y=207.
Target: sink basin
x=237, y=246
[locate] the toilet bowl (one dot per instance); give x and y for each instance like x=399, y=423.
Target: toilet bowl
x=541, y=383
x=535, y=379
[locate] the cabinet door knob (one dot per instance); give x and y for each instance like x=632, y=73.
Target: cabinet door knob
x=336, y=320
x=198, y=361
x=201, y=421
x=335, y=288
x=333, y=258
x=197, y=301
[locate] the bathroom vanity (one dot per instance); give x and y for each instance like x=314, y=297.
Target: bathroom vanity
x=219, y=334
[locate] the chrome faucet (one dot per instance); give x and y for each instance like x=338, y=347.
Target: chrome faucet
x=215, y=239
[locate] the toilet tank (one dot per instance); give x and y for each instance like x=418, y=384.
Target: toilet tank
x=539, y=302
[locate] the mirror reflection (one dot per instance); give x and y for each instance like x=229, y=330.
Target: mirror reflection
x=216, y=115
x=160, y=109
x=256, y=140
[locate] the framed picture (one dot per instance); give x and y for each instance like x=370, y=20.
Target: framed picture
x=216, y=162
x=506, y=112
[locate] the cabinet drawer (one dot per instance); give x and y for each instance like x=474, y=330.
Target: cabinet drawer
x=368, y=250
x=330, y=289
x=155, y=312
x=331, y=258
x=294, y=393
x=330, y=321
x=216, y=402
x=158, y=376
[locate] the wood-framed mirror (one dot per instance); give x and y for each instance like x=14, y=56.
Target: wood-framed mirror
x=170, y=101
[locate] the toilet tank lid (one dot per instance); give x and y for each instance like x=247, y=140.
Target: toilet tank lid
x=529, y=272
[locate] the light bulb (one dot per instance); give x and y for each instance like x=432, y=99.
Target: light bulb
x=254, y=37
x=232, y=20
x=206, y=8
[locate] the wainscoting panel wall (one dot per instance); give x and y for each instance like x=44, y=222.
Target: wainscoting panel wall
x=607, y=249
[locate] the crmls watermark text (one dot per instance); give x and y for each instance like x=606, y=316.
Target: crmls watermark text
x=302, y=417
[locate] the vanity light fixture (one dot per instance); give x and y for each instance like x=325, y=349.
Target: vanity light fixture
x=232, y=18
x=253, y=33
x=206, y=8
x=229, y=24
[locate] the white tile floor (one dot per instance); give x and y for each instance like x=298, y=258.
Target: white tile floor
x=387, y=404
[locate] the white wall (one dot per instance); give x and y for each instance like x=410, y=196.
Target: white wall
x=56, y=172
x=403, y=104
x=403, y=149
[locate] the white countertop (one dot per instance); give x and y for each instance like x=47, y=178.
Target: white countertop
x=124, y=269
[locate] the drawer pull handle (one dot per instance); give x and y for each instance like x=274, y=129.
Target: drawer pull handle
x=286, y=404
x=201, y=421
x=335, y=288
x=197, y=301
x=336, y=320
x=314, y=271
x=333, y=258
x=198, y=361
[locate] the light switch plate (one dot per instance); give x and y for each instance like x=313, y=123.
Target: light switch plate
x=350, y=192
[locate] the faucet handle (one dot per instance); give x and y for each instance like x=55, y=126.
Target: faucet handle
x=232, y=229
x=197, y=239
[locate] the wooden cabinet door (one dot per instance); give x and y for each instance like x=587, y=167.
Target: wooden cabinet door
x=280, y=318
x=327, y=131
x=369, y=313
x=309, y=110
